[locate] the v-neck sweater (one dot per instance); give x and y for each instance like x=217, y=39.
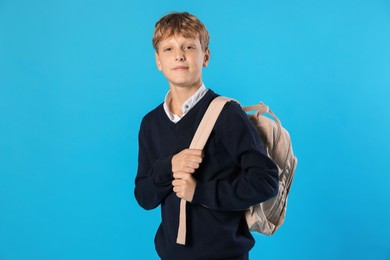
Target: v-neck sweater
x=235, y=173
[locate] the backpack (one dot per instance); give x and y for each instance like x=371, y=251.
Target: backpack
x=268, y=216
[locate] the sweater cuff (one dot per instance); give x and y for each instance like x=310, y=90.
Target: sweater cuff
x=163, y=172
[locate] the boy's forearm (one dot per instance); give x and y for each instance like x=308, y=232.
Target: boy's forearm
x=240, y=193
x=153, y=183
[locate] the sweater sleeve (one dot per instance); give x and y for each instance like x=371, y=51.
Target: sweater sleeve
x=257, y=180
x=154, y=178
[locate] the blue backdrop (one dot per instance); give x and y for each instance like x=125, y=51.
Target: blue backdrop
x=77, y=76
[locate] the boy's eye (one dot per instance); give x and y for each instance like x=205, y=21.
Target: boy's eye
x=190, y=47
x=167, y=49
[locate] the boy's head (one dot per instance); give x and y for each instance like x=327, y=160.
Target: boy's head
x=184, y=24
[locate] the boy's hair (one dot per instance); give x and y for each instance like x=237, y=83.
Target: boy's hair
x=185, y=24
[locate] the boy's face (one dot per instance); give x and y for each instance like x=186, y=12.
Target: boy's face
x=181, y=60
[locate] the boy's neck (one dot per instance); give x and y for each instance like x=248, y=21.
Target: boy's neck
x=180, y=95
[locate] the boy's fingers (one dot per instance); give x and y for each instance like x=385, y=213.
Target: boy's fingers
x=195, y=158
x=178, y=176
x=193, y=165
x=196, y=152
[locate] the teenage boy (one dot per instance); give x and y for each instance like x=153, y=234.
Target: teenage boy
x=233, y=171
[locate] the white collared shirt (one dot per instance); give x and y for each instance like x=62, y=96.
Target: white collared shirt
x=187, y=105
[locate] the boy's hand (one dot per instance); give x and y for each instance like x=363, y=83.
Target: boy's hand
x=187, y=161
x=184, y=185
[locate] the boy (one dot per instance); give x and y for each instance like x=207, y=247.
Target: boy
x=233, y=171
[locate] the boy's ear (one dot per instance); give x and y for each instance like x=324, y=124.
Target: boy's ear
x=206, y=58
x=158, y=63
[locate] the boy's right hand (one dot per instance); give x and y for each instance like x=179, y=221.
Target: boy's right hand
x=187, y=161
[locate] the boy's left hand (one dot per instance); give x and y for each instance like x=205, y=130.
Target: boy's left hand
x=184, y=185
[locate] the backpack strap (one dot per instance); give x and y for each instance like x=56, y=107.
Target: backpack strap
x=262, y=108
x=208, y=121
x=198, y=142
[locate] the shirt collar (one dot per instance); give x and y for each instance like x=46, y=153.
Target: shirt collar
x=187, y=105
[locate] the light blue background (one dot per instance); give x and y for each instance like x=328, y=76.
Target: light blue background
x=77, y=76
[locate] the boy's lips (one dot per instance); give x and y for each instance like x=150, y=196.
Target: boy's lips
x=180, y=68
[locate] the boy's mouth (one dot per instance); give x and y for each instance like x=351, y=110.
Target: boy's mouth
x=180, y=68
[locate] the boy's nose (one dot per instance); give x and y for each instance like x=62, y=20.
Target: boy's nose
x=180, y=56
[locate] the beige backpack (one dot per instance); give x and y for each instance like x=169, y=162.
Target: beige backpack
x=267, y=216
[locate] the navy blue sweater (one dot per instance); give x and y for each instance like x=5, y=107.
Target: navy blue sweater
x=235, y=174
